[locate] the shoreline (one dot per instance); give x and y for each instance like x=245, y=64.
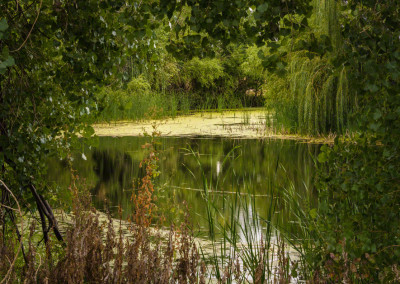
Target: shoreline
x=237, y=124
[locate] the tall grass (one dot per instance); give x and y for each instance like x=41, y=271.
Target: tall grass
x=118, y=105
x=302, y=234
x=248, y=247
x=141, y=106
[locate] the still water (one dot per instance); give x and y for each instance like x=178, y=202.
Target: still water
x=255, y=168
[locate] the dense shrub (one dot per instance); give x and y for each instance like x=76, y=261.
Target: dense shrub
x=204, y=72
x=359, y=211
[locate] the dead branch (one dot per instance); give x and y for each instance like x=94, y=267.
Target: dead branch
x=46, y=211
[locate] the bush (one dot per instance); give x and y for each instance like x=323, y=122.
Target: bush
x=138, y=85
x=359, y=197
x=204, y=72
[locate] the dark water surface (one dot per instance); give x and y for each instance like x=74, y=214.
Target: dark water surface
x=254, y=168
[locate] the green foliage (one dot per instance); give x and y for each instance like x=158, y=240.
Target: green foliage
x=6, y=60
x=53, y=55
x=138, y=85
x=173, y=86
x=326, y=19
x=252, y=67
x=317, y=89
x=167, y=74
x=225, y=22
x=349, y=63
x=358, y=179
x=133, y=104
x=203, y=71
x=311, y=98
x=359, y=195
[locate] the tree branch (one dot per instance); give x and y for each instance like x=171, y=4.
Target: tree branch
x=45, y=209
x=26, y=39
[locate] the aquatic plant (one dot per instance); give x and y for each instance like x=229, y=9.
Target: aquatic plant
x=244, y=246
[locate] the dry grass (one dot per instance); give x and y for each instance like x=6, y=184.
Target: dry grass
x=97, y=252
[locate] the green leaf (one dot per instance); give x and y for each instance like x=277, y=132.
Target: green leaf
x=377, y=114
x=313, y=213
x=262, y=8
x=372, y=88
x=3, y=25
x=273, y=45
x=88, y=132
x=260, y=54
x=374, y=126
x=373, y=248
x=5, y=52
x=9, y=61
x=280, y=65
x=322, y=157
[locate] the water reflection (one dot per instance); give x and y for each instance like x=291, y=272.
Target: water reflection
x=254, y=168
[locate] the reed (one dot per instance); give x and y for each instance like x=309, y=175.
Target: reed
x=247, y=247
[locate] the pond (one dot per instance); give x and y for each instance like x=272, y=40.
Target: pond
x=256, y=169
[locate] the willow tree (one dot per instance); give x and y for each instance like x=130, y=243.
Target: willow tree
x=358, y=180
x=348, y=61
x=322, y=95
x=317, y=98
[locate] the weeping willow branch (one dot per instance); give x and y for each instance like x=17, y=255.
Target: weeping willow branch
x=326, y=20
x=319, y=98
x=322, y=98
